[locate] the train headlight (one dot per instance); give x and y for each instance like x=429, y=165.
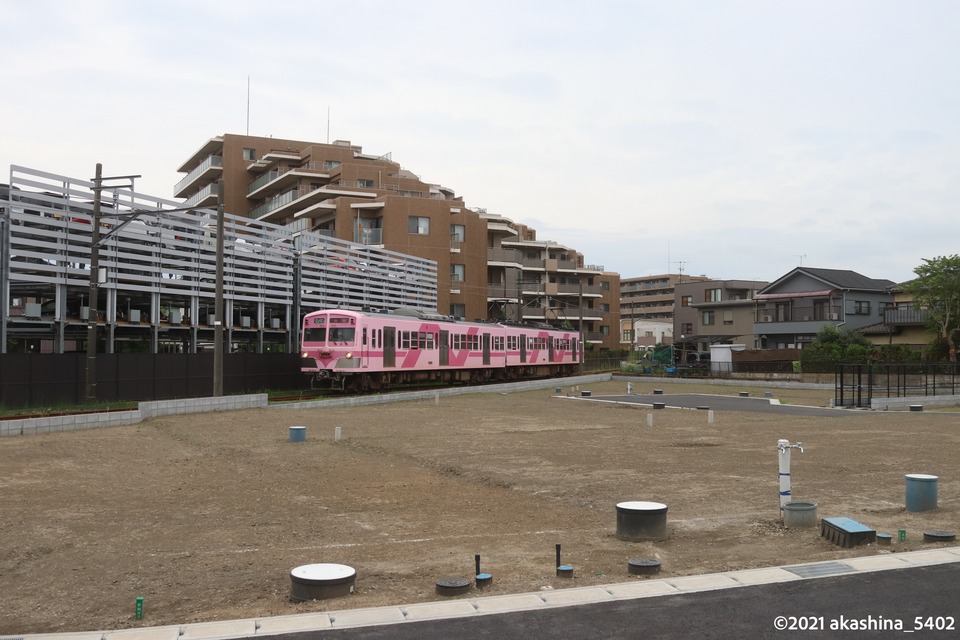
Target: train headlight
x=349, y=354
x=306, y=355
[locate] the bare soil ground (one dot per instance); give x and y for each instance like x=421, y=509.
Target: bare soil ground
x=205, y=515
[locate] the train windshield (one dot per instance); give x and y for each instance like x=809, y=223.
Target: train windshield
x=315, y=334
x=342, y=334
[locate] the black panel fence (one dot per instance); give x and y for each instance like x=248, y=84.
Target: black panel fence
x=857, y=384
x=50, y=380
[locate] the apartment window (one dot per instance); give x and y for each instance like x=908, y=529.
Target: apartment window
x=709, y=318
x=458, y=232
x=728, y=316
x=688, y=328
x=366, y=184
x=250, y=154
x=458, y=310
x=604, y=331
x=418, y=225
x=604, y=307
x=686, y=301
x=457, y=273
x=861, y=307
x=330, y=164
x=713, y=295
x=604, y=286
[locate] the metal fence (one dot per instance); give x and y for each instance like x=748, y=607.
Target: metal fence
x=857, y=384
x=56, y=380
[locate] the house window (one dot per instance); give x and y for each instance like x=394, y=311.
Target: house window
x=604, y=286
x=713, y=295
x=250, y=154
x=861, y=307
x=366, y=184
x=709, y=317
x=686, y=301
x=418, y=225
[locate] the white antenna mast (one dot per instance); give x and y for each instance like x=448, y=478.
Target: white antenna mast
x=328, y=125
x=248, y=105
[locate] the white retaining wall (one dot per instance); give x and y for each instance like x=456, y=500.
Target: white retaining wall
x=903, y=404
x=29, y=426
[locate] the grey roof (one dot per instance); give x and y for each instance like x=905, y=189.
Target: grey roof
x=846, y=279
x=837, y=279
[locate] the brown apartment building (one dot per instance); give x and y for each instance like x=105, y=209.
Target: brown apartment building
x=488, y=267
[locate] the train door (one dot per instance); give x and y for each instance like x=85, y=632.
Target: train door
x=550, y=342
x=486, y=348
x=574, y=350
x=444, y=348
x=523, y=348
x=364, y=349
x=389, y=346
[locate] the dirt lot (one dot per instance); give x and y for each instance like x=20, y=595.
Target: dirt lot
x=205, y=515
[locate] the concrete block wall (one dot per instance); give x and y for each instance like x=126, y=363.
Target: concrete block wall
x=51, y=424
x=903, y=404
x=509, y=387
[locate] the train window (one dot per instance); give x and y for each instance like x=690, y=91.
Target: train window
x=512, y=343
x=426, y=340
x=342, y=334
x=404, y=339
x=315, y=334
x=497, y=343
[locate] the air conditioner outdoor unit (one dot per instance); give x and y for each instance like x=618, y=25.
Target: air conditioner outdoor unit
x=768, y=318
x=834, y=316
x=245, y=322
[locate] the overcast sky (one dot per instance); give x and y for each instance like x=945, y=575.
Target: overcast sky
x=732, y=139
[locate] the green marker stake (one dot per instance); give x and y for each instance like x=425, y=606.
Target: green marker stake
x=901, y=535
x=139, y=610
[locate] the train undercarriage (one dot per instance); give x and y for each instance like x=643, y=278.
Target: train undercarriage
x=383, y=380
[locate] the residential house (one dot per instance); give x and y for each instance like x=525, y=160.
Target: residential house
x=791, y=310
x=715, y=312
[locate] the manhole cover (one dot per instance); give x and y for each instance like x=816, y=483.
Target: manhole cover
x=452, y=586
x=939, y=536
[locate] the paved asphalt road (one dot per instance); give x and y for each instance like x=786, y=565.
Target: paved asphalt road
x=722, y=403
x=930, y=593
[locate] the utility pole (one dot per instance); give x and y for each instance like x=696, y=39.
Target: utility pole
x=90, y=387
x=218, y=302
x=96, y=279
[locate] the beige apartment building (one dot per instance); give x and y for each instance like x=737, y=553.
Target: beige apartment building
x=488, y=267
x=647, y=308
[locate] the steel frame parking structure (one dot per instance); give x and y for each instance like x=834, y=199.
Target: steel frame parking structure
x=158, y=266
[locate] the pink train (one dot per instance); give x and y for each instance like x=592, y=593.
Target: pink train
x=364, y=350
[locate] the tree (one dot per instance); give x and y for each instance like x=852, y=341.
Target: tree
x=936, y=289
x=832, y=346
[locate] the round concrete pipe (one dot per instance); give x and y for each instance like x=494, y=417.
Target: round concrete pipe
x=800, y=515
x=638, y=521
x=321, y=581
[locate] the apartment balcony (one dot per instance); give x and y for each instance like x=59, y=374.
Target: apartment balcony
x=503, y=257
x=502, y=291
x=901, y=316
x=368, y=236
x=456, y=282
x=283, y=178
x=295, y=200
x=801, y=314
x=206, y=197
x=207, y=171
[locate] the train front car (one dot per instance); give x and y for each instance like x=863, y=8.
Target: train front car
x=330, y=350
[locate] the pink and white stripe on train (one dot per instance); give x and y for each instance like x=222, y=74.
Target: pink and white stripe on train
x=367, y=350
